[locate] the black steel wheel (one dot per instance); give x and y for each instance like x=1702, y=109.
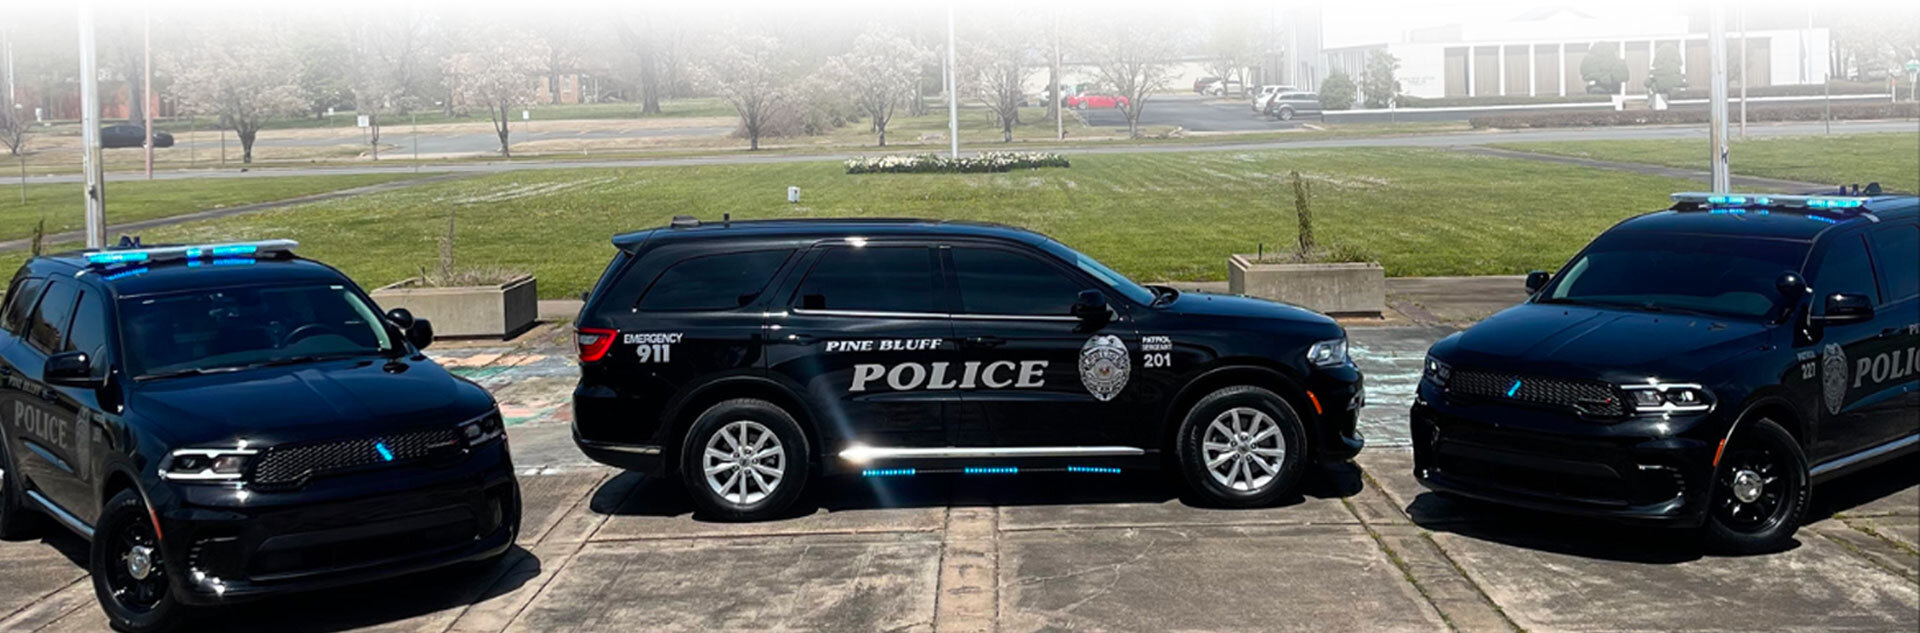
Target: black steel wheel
x=1760, y=490
x=130, y=568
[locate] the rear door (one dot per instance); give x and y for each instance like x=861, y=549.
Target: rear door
x=1027, y=363
x=1894, y=369
x=48, y=446
x=866, y=335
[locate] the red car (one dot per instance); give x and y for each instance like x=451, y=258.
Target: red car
x=1084, y=101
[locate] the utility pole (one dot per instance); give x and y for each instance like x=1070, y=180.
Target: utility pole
x=1717, y=88
x=90, y=133
x=1053, y=85
x=146, y=85
x=953, y=100
x=1743, y=71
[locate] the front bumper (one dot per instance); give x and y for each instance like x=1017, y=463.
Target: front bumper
x=234, y=544
x=1628, y=470
x=1337, y=396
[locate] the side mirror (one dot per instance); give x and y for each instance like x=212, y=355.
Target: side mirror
x=401, y=317
x=1843, y=308
x=421, y=334
x=1090, y=305
x=1790, y=285
x=70, y=369
x=1537, y=280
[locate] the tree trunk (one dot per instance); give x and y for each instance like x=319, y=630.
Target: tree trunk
x=373, y=134
x=500, y=127
x=753, y=139
x=649, y=81
x=883, y=132
x=246, y=144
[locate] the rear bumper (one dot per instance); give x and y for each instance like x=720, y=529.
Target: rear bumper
x=1583, y=469
x=235, y=545
x=640, y=458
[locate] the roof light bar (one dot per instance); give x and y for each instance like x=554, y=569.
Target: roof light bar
x=1769, y=200
x=197, y=251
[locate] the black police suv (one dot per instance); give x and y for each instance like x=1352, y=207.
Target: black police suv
x=230, y=420
x=1705, y=364
x=748, y=357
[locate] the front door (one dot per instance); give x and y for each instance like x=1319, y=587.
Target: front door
x=866, y=334
x=1033, y=374
x=1850, y=398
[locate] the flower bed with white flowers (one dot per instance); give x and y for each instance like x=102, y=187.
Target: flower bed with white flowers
x=935, y=164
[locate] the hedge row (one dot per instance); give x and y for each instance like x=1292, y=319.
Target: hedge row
x=1804, y=112
x=1470, y=102
x=1789, y=90
x=932, y=163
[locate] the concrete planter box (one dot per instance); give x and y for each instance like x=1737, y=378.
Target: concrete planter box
x=1350, y=289
x=501, y=311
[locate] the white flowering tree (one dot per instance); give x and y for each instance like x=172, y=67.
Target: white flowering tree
x=1134, y=59
x=497, y=71
x=753, y=75
x=995, y=67
x=878, y=74
x=243, y=77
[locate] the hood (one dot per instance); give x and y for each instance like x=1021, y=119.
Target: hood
x=1209, y=304
x=307, y=402
x=1601, y=343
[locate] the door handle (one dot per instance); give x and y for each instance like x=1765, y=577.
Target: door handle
x=1892, y=331
x=6, y=371
x=49, y=395
x=986, y=341
x=802, y=339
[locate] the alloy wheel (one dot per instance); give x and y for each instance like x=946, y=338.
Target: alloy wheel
x=744, y=462
x=1752, y=489
x=1244, y=449
x=136, y=573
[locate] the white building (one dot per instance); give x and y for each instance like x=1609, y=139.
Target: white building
x=1539, y=53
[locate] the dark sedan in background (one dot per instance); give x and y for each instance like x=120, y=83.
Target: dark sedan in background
x=131, y=136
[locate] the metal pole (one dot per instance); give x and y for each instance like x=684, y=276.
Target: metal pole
x=1743, y=72
x=1053, y=91
x=146, y=85
x=96, y=191
x=953, y=87
x=414, y=114
x=1717, y=112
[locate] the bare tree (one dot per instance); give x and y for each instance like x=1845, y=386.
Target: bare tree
x=648, y=61
x=995, y=67
x=241, y=76
x=1230, y=50
x=386, y=62
x=14, y=129
x=752, y=74
x=498, y=73
x=878, y=74
x=1132, y=56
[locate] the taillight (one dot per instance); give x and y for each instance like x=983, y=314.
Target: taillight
x=593, y=342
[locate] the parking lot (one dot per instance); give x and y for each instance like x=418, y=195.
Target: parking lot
x=1193, y=113
x=1364, y=549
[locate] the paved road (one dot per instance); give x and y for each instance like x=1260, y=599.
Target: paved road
x=1458, y=139
x=484, y=142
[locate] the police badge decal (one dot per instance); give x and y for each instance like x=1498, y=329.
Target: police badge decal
x=1104, y=366
x=1833, y=376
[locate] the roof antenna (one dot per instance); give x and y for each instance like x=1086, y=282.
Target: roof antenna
x=128, y=241
x=1873, y=189
x=726, y=220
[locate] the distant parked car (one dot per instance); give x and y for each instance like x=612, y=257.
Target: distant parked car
x=1201, y=85
x=131, y=136
x=1286, y=105
x=1258, y=98
x=1090, y=100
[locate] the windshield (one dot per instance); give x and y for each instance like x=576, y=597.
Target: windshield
x=1119, y=282
x=235, y=328
x=1706, y=274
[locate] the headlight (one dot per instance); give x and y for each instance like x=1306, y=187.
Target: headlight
x=207, y=464
x=483, y=429
x=1655, y=398
x=1436, y=372
x=1328, y=353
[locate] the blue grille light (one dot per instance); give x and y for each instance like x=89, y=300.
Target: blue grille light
x=887, y=472
x=1102, y=470
x=385, y=453
x=991, y=470
x=1514, y=389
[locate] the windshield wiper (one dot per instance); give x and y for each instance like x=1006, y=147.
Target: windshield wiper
x=1163, y=294
x=304, y=358
x=187, y=371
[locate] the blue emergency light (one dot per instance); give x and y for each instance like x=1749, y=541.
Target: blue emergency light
x=193, y=252
x=1721, y=200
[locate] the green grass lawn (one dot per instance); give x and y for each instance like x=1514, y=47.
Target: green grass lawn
x=1153, y=216
x=1893, y=160
x=64, y=207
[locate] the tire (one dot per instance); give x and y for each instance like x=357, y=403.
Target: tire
x=136, y=599
x=16, y=519
x=1244, y=478
x=1760, y=491
x=1286, y=114
x=755, y=425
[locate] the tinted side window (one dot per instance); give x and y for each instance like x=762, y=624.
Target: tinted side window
x=48, y=327
x=1896, y=252
x=1845, y=268
x=713, y=282
x=89, y=332
x=20, y=303
x=881, y=279
x=1004, y=282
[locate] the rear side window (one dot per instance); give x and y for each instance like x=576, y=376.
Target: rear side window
x=713, y=282
x=47, y=329
x=878, y=279
x=1896, y=252
x=1846, y=269
x=20, y=303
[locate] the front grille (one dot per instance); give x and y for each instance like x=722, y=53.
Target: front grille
x=294, y=465
x=1579, y=396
